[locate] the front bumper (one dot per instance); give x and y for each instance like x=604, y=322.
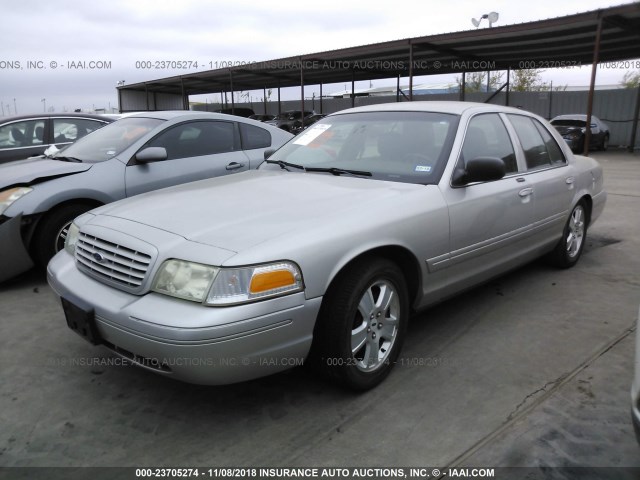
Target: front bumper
x=14, y=257
x=218, y=345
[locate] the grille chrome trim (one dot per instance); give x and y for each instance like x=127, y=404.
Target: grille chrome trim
x=112, y=263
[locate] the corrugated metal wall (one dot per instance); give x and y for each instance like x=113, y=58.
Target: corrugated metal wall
x=614, y=107
x=136, y=101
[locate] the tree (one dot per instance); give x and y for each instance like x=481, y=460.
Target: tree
x=268, y=99
x=477, y=81
x=528, y=81
x=631, y=79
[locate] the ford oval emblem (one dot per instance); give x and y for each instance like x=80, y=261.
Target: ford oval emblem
x=98, y=257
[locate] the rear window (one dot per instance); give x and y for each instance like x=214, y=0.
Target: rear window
x=254, y=137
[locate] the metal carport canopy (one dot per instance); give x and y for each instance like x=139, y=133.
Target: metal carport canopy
x=562, y=41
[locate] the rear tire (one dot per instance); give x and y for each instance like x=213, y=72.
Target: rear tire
x=605, y=143
x=52, y=231
x=569, y=249
x=362, y=324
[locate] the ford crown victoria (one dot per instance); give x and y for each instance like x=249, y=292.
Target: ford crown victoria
x=324, y=252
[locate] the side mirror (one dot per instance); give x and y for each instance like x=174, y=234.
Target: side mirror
x=480, y=169
x=151, y=154
x=268, y=152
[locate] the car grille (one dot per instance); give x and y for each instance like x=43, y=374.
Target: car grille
x=118, y=264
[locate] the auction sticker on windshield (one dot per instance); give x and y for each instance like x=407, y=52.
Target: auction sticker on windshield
x=311, y=134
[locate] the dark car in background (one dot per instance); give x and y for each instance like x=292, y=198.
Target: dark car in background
x=30, y=135
x=237, y=111
x=290, y=120
x=261, y=117
x=308, y=121
x=573, y=129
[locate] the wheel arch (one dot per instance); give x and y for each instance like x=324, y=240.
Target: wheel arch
x=91, y=203
x=401, y=256
x=588, y=201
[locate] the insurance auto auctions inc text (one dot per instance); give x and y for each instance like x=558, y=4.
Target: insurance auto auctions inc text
x=367, y=473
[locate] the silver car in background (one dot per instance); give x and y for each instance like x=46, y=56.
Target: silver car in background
x=40, y=197
x=323, y=253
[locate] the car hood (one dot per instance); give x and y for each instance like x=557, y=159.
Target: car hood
x=36, y=170
x=242, y=210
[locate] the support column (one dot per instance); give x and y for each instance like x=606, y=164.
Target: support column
x=411, y=72
x=301, y=94
x=353, y=89
x=264, y=99
x=634, y=127
x=508, y=86
x=185, y=98
x=233, y=102
x=594, y=69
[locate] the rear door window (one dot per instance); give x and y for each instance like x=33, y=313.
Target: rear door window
x=540, y=148
x=254, y=137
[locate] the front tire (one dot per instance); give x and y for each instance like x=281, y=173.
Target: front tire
x=569, y=248
x=52, y=231
x=362, y=324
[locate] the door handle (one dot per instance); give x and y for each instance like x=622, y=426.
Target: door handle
x=525, y=192
x=234, y=166
x=569, y=180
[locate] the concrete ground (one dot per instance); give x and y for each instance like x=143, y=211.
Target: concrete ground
x=530, y=370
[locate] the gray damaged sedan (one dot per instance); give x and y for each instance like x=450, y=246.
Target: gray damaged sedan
x=324, y=252
x=40, y=197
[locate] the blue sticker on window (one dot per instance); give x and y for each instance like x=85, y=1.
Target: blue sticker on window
x=423, y=168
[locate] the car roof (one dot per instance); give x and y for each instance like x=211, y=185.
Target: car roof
x=186, y=114
x=576, y=116
x=454, y=107
x=55, y=115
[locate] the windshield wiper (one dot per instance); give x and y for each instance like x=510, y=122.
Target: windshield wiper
x=284, y=165
x=67, y=159
x=339, y=171
x=332, y=170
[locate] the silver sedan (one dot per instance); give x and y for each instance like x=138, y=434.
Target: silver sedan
x=323, y=253
x=40, y=197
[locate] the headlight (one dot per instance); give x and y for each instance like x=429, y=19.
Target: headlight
x=246, y=284
x=7, y=197
x=187, y=280
x=72, y=239
x=74, y=232
x=226, y=286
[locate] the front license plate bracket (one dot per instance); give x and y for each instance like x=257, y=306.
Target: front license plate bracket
x=82, y=322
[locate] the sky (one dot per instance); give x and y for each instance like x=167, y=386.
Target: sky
x=70, y=54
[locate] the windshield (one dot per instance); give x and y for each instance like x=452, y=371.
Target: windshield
x=569, y=123
x=110, y=140
x=408, y=147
